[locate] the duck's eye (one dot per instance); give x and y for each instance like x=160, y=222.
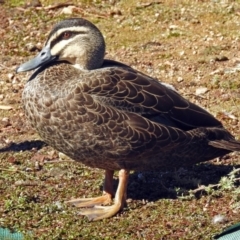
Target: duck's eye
x=66, y=35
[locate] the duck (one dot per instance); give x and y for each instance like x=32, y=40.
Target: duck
x=107, y=115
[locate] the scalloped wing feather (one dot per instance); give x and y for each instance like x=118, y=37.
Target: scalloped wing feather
x=139, y=93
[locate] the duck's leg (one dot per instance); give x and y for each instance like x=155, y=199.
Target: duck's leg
x=101, y=212
x=105, y=199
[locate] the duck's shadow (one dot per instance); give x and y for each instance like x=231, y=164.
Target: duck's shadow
x=153, y=186
x=24, y=146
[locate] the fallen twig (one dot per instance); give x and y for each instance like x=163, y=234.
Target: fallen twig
x=9, y=170
x=13, y=171
x=59, y=5
x=76, y=9
x=145, y=5
x=58, y=161
x=27, y=183
x=5, y=107
x=203, y=187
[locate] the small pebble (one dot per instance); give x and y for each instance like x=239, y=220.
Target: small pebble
x=201, y=90
x=219, y=219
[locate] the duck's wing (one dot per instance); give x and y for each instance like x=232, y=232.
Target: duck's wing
x=130, y=90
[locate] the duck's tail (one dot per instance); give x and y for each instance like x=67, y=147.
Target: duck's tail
x=231, y=144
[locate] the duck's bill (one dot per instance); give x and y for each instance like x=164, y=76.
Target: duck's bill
x=43, y=58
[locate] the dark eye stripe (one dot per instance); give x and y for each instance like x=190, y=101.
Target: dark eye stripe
x=60, y=37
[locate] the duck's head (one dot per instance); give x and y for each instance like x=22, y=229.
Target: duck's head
x=76, y=41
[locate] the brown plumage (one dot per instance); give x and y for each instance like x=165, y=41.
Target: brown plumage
x=107, y=115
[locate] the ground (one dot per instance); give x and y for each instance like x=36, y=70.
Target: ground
x=193, y=45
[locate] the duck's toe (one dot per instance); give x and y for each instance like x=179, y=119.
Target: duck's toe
x=91, y=202
x=100, y=212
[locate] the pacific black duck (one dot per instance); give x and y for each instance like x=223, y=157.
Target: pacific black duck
x=107, y=115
